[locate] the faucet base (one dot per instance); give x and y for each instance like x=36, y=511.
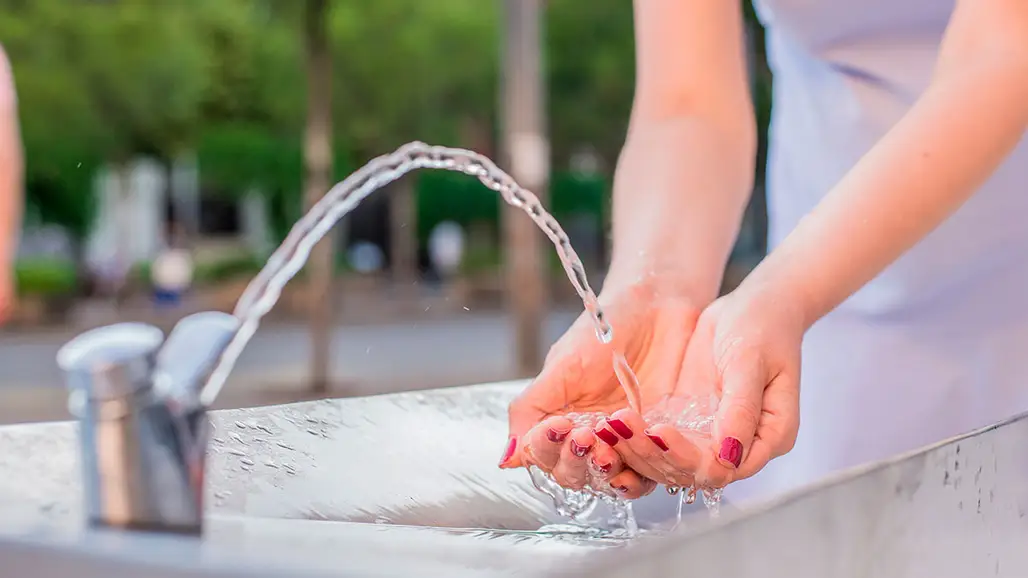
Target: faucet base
x=184, y=530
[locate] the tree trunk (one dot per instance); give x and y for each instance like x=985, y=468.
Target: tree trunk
x=403, y=244
x=525, y=150
x=318, y=171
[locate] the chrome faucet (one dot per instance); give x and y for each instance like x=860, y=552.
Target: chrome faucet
x=143, y=432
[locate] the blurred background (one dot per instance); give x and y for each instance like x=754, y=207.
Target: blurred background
x=171, y=145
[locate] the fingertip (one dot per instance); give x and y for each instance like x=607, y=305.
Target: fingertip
x=511, y=457
x=730, y=452
x=557, y=428
x=630, y=485
x=582, y=441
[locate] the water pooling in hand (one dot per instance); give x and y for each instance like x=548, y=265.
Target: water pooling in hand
x=263, y=292
x=692, y=416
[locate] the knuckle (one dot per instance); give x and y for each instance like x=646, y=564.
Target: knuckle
x=788, y=438
x=744, y=412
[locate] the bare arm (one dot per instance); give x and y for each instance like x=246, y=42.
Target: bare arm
x=959, y=132
x=686, y=170
x=11, y=168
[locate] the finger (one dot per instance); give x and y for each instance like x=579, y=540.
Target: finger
x=760, y=454
x=679, y=451
x=544, y=396
x=630, y=485
x=631, y=428
x=572, y=361
x=606, y=433
x=604, y=462
x=572, y=470
x=779, y=425
x=543, y=443
x=738, y=414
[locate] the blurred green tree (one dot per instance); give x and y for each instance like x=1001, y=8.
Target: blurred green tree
x=102, y=81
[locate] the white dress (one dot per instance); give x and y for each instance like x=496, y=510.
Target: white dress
x=937, y=345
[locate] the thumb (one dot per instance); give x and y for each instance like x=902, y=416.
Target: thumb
x=738, y=414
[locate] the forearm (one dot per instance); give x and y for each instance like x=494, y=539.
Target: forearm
x=11, y=168
x=932, y=161
x=11, y=209
x=679, y=193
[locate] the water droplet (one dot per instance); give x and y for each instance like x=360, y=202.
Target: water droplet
x=236, y=452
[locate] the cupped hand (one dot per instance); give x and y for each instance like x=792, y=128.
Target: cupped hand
x=558, y=423
x=745, y=353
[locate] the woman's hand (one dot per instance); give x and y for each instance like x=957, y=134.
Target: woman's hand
x=746, y=352
x=652, y=326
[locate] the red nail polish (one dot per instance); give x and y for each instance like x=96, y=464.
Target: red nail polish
x=731, y=451
x=622, y=489
x=512, y=444
x=620, y=428
x=607, y=436
x=658, y=441
x=579, y=450
x=556, y=436
x=603, y=469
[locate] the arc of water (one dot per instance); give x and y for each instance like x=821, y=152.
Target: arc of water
x=263, y=292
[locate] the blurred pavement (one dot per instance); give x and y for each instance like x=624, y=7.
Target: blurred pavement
x=369, y=359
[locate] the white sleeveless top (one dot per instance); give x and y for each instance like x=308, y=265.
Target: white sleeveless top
x=937, y=345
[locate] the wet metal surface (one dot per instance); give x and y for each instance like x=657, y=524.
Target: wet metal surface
x=958, y=509
x=403, y=485
x=367, y=486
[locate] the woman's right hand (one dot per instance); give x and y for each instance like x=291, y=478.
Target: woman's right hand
x=652, y=326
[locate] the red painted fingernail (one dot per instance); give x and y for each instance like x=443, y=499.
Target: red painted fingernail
x=731, y=451
x=512, y=444
x=579, y=450
x=622, y=489
x=607, y=436
x=556, y=436
x=658, y=441
x=620, y=428
x=602, y=469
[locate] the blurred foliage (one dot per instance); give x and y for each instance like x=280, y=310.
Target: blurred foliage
x=101, y=80
x=45, y=278
x=227, y=268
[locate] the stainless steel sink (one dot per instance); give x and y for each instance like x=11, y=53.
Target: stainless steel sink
x=415, y=459
x=406, y=485
x=369, y=485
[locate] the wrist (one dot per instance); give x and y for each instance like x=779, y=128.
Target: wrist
x=657, y=280
x=788, y=293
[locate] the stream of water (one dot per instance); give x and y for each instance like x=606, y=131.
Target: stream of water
x=263, y=292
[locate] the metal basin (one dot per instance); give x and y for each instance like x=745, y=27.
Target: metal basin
x=405, y=485
x=334, y=486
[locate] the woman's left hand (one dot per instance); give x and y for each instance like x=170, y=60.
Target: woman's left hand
x=745, y=351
